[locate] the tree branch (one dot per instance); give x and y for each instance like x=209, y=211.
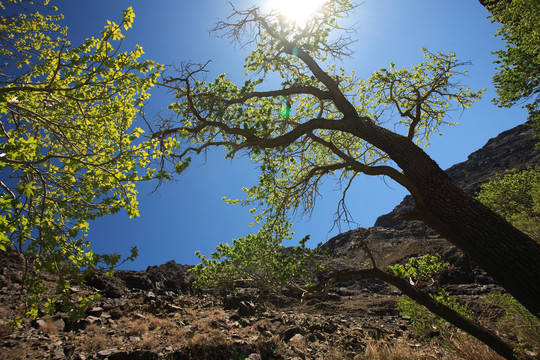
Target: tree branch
x=364, y=168
x=487, y=336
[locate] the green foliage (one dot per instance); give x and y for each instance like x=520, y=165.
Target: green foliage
x=261, y=260
x=424, y=322
x=419, y=269
x=423, y=269
x=516, y=196
x=518, y=65
x=514, y=319
x=67, y=140
x=422, y=95
x=292, y=173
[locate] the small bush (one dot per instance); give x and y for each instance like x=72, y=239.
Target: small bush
x=515, y=319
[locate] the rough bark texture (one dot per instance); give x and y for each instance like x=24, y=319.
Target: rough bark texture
x=509, y=256
x=511, y=149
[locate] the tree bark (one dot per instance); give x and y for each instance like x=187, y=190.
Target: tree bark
x=505, y=253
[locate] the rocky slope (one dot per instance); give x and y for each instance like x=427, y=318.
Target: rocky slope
x=155, y=314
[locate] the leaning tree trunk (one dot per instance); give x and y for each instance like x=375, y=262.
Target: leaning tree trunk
x=470, y=326
x=505, y=253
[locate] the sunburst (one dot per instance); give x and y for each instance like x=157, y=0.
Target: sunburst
x=297, y=11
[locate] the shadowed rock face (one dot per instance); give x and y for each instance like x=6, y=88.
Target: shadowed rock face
x=396, y=241
x=168, y=277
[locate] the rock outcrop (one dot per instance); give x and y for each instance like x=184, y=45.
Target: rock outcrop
x=168, y=277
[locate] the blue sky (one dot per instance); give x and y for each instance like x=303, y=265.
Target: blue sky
x=189, y=215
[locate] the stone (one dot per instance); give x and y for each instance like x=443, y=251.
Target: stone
x=95, y=311
x=108, y=286
x=290, y=332
x=247, y=308
x=298, y=339
x=92, y=319
x=108, y=352
x=38, y=323
x=171, y=277
x=172, y=308
x=142, y=355
x=134, y=279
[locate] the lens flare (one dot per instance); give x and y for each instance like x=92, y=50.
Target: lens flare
x=297, y=11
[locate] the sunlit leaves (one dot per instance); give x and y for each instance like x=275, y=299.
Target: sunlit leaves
x=424, y=269
x=68, y=141
x=418, y=99
x=260, y=260
x=419, y=269
x=517, y=80
x=516, y=196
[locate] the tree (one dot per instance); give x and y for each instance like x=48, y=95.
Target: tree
x=339, y=126
x=518, y=76
x=259, y=260
x=69, y=150
x=516, y=196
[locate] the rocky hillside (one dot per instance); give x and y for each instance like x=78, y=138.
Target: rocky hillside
x=155, y=313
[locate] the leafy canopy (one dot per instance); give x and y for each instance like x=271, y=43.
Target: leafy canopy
x=259, y=260
x=420, y=269
x=516, y=196
x=424, y=269
x=69, y=150
x=315, y=138
x=518, y=65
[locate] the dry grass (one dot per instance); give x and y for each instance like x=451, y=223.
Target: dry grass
x=97, y=342
x=210, y=338
x=177, y=335
x=49, y=326
x=189, y=312
x=155, y=323
x=210, y=329
x=21, y=351
x=202, y=329
x=136, y=300
x=209, y=320
x=467, y=348
x=92, y=327
x=382, y=350
x=149, y=342
x=137, y=328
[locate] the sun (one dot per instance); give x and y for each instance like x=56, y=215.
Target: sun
x=296, y=11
